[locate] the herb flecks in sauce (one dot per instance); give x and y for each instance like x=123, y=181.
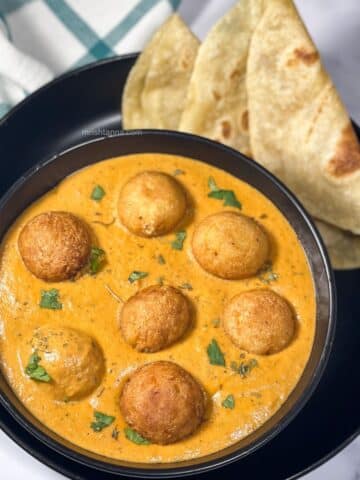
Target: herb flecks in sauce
x=216, y=356
x=229, y=402
x=115, y=433
x=101, y=421
x=50, y=299
x=98, y=193
x=244, y=368
x=216, y=322
x=97, y=257
x=178, y=172
x=186, y=286
x=136, y=275
x=135, y=437
x=266, y=274
x=229, y=197
x=36, y=371
x=161, y=260
x=178, y=243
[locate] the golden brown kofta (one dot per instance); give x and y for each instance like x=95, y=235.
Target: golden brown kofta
x=152, y=204
x=154, y=318
x=72, y=358
x=55, y=246
x=163, y=402
x=259, y=321
x=230, y=245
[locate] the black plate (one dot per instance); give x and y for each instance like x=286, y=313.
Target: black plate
x=85, y=104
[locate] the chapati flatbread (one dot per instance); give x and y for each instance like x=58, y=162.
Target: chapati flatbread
x=217, y=105
x=155, y=91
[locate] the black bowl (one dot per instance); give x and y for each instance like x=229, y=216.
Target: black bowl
x=45, y=176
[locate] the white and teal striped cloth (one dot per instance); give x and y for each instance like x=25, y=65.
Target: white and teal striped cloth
x=40, y=39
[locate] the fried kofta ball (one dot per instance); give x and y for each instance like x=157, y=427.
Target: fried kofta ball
x=154, y=318
x=72, y=358
x=259, y=321
x=55, y=246
x=230, y=245
x=163, y=402
x=151, y=204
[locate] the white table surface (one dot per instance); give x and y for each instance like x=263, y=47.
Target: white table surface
x=335, y=27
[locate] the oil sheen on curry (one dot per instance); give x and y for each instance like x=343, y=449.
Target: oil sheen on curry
x=154, y=308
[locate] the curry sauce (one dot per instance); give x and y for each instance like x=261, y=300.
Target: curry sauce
x=91, y=303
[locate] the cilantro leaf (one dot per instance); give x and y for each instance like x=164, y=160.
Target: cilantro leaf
x=229, y=197
x=101, y=421
x=216, y=356
x=229, y=402
x=178, y=243
x=136, y=275
x=135, y=437
x=36, y=371
x=50, y=299
x=97, y=256
x=98, y=193
x=212, y=185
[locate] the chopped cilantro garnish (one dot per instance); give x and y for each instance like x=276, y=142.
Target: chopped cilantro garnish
x=212, y=185
x=178, y=243
x=135, y=275
x=135, y=437
x=101, y=421
x=36, y=371
x=97, y=256
x=229, y=402
x=50, y=299
x=216, y=356
x=98, y=193
x=228, y=196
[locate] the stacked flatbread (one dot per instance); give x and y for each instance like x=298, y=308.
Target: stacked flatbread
x=257, y=84
x=155, y=91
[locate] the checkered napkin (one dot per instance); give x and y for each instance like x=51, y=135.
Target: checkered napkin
x=40, y=39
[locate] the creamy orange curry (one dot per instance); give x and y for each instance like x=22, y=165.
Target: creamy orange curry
x=92, y=302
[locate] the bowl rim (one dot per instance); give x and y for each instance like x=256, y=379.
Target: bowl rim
x=177, y=471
